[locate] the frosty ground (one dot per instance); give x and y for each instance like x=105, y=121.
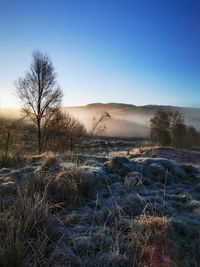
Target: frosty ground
x=136, y=210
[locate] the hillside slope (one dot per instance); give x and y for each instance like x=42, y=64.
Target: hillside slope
x=129, y=120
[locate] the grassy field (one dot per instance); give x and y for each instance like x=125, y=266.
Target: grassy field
x=110, y=210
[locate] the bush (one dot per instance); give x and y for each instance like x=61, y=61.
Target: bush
x=64, y=132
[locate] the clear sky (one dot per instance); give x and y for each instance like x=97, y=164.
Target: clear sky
x=132, y=51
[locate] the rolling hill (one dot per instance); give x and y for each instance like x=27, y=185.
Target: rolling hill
x=126, y=120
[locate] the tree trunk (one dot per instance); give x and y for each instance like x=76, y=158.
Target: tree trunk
x=39, y=139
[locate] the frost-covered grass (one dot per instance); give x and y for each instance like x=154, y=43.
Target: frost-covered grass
x=118, y=211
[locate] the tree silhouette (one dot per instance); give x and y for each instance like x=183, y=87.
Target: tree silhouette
x=40, y=94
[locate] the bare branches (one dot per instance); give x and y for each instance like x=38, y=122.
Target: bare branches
x=64, y=131
x=39, y=92
x=169, y=128
x=98, y=126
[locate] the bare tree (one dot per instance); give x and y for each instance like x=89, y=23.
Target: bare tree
x=178, y=129
x=98, y=126
x=160, y=128
x=169, y=128
x=39, y=93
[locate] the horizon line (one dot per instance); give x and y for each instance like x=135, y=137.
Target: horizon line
x=114, y=103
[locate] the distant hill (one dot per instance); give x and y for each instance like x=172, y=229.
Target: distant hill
x=130, y=120
x=126, y=120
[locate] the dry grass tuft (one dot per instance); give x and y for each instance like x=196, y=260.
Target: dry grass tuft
x=51, y=163
x=152, y=242
x=21, y=227
x=70, y=185
x=160, y=223
x=65, y=185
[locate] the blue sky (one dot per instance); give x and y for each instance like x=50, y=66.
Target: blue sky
x=131, y=51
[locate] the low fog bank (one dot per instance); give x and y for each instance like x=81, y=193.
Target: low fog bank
x=193, y=118
x=125, y=128
x=126, y=120
x=10, y=113
x=117, y=125
x=129, y=120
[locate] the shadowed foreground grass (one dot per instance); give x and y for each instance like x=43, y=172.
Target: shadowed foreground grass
x=117, y=212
